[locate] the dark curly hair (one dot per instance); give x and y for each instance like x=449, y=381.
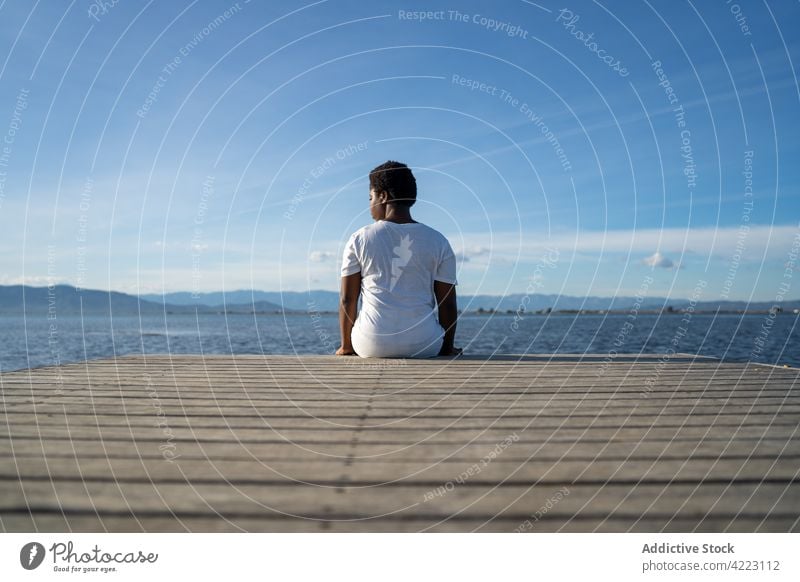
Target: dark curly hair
x=396, y=180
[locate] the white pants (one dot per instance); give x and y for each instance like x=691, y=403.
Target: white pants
x=388, y=347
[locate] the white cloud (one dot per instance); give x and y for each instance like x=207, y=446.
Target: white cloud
x=467, y=254
x=657, y=260
x=321, y=256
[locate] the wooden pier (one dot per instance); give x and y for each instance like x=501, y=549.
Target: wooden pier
x=324, y=443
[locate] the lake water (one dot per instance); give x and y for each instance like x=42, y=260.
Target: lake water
x=30, y=342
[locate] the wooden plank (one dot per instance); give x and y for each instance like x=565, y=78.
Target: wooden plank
x=306, y=420
x=424, y=391
x=54, y=414
x=374, y=472
x=388, y=442
x=347, y=502
x=546, y=451
x=120, y=522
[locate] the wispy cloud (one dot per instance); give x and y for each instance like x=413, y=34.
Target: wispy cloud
x=762, y=242
x=33, y=280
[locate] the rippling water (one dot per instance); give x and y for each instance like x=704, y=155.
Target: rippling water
x=30, y=342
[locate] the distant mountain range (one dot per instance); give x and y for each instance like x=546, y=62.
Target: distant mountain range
x=318, y=300
x=65, y=299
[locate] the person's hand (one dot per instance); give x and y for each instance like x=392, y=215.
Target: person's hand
x=450, y=351
x=345, y=352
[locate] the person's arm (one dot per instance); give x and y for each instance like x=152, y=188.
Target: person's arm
x=348, y=309
x=448, y=314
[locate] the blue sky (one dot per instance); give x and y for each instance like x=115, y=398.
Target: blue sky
x=221, y=145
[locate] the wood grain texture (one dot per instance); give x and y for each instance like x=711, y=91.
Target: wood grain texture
x=319, y=443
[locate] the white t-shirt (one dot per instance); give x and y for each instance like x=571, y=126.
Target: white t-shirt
x=398, y=264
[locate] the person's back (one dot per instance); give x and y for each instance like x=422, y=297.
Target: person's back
x=399, y=263
x=405, y=269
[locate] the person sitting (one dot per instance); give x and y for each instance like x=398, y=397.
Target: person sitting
x=405, y=272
